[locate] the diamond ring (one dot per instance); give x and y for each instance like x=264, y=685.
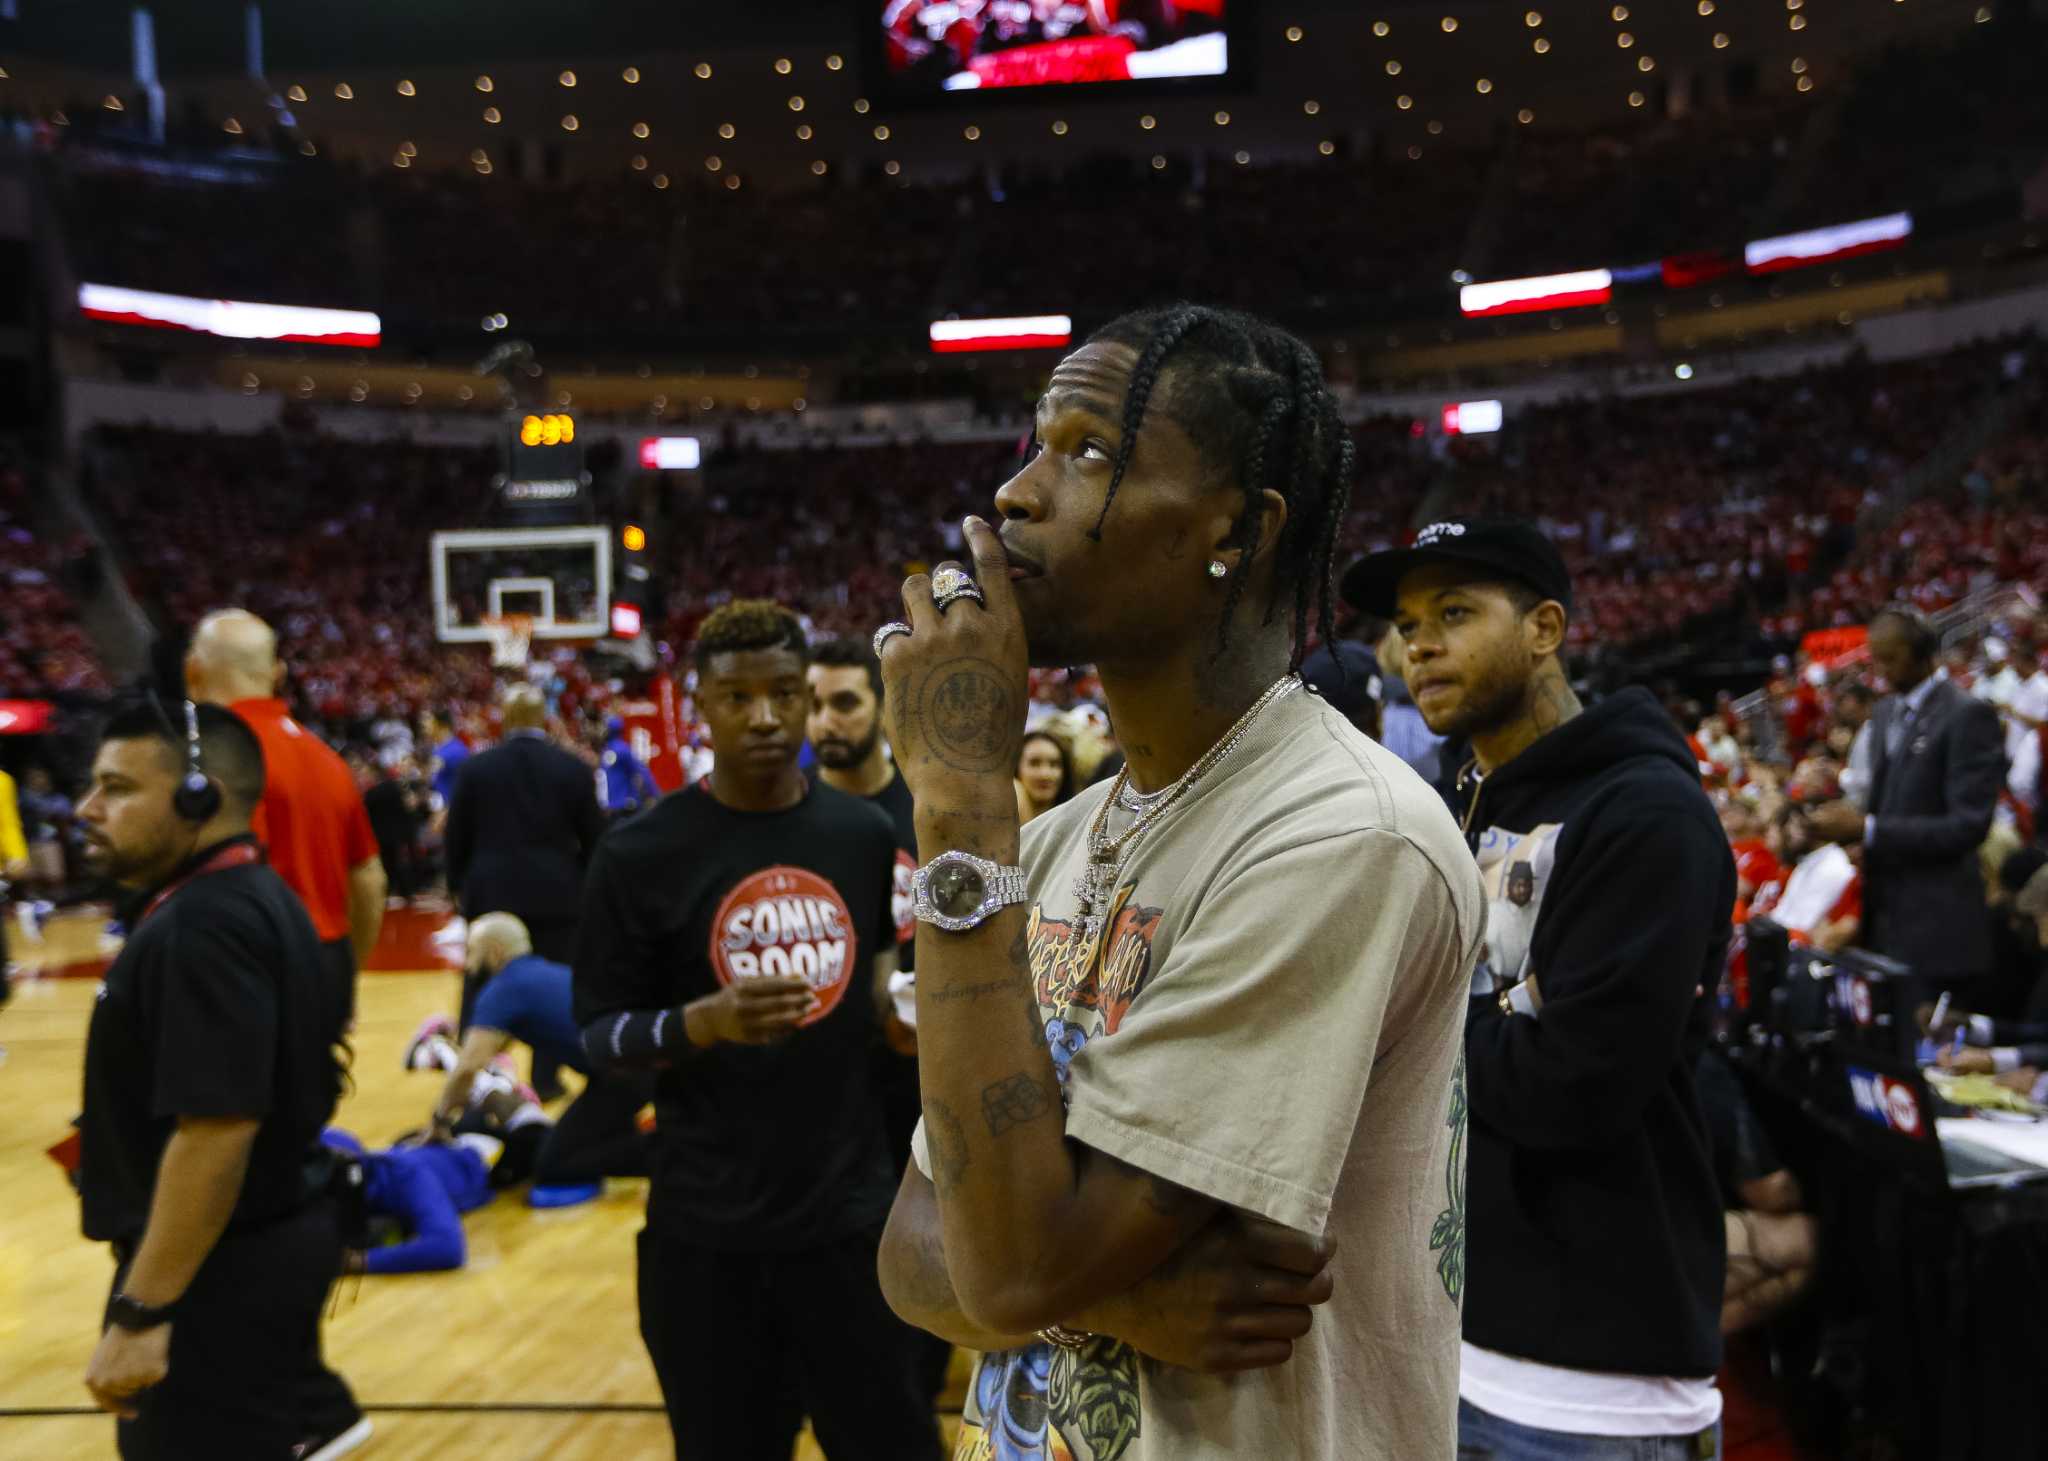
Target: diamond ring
x=950, y=585
x=883, y=634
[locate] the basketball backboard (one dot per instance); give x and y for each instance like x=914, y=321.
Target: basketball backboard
x=561, y=577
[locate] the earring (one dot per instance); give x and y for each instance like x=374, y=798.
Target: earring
x=1217, y=570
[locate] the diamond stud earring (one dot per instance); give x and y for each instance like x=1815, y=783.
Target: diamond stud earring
x=1216, y=569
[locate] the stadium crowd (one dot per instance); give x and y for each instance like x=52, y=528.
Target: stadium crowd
x=1736, y=505
x=43, y=646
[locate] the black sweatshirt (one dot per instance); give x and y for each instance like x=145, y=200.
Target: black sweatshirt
x=1595, y=1230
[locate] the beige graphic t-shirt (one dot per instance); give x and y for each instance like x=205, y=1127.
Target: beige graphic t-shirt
x=1273, y=1016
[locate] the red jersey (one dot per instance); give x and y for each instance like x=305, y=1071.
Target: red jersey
x=1755, y=867
x=311, y=818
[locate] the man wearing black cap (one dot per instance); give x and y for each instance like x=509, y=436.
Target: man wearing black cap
x=1597, y=1244
x=1348, y=677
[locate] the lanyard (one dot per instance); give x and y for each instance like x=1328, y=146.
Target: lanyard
x=241, y=854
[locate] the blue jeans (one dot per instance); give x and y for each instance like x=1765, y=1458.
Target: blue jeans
x=1486, y=1437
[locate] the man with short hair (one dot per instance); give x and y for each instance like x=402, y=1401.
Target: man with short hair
x=527, y=998
x=1182, y=1035
x=737, y=942
x=1937, y=766
x=210, y=1070
x=1598, y=1243
x=312, y=820
x=521, y=829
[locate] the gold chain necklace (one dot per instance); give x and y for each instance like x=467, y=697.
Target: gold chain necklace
x=1097, y=882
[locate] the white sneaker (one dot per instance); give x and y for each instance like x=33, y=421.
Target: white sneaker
x=336, y=1447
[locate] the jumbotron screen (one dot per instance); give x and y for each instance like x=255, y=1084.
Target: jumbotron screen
x=930, y=47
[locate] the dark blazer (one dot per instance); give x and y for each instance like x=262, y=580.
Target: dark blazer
x=521, y=829
x=1923, y=894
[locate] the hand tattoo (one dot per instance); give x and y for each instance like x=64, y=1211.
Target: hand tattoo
x=967, y=715
x=1010, y=1103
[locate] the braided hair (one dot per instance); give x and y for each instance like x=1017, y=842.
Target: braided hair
x=1252, y=399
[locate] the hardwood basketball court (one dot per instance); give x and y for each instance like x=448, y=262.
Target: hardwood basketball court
x=531, y=1353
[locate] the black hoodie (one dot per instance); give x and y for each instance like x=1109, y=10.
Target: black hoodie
x=1595, y=1237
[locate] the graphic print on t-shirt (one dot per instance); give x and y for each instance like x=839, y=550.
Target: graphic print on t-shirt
x=786, y=920
x=1043, y=1403
x=1514, y=868
x=902, y=900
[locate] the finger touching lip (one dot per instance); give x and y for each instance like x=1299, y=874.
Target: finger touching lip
x=1022, y=565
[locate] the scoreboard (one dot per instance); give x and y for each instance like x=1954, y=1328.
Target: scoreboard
x=545, y=479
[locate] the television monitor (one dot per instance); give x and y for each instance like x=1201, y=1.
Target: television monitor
x=929, y=50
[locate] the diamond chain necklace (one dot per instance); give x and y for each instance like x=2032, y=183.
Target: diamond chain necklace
x=1097, y=882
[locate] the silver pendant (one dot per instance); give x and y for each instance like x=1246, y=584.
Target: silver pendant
x=1093, y=888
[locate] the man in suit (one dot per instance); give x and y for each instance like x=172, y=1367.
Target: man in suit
x=1937, y=764
x=521, y=827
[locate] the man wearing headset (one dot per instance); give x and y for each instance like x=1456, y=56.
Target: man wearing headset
x=210, y=1070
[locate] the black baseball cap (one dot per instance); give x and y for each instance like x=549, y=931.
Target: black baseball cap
x=1512, y=548
x=1346, y=674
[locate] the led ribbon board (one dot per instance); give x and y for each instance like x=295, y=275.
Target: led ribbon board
x=1026, y=332
x=1545, y=291
x=230, y=319
x=1826, y=245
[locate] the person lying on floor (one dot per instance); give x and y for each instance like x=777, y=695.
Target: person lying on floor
x=417, y=1189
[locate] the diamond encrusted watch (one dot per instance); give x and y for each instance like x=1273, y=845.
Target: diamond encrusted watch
x=957, y=891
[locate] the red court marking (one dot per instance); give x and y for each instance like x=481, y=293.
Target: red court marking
x=406, y=944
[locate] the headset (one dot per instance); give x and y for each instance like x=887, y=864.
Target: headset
x=197, y=798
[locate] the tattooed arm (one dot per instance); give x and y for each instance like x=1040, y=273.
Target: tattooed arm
x=1235, y=1297
x=1033, y=1234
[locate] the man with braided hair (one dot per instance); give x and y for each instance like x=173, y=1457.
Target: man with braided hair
x=1190, y=1174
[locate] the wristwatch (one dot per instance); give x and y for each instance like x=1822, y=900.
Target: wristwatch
x=957, y=891
x=127, y=1313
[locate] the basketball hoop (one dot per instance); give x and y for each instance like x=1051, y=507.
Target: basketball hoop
x=511, y=638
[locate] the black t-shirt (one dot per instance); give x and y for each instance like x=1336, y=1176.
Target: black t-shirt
x=212, y=1009
x=894, y=800
x=759, y=1148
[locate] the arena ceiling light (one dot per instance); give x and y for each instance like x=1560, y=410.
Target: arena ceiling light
x=1026, y=332
x=230, y=319
x=1544, y=291
x=1825, y=245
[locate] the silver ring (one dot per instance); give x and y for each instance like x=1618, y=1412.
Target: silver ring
x=882, y=634
x=950, y=585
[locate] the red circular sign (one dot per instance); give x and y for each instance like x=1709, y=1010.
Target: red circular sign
x=1905, y=1111
x=787, y=920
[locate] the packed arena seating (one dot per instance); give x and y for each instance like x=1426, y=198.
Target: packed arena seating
x=317, y=549
x=43, y=647
x=1671, y=508
x=1990, y=527
x=1674, y=507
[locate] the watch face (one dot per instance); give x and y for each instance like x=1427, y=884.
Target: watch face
x=957, y=889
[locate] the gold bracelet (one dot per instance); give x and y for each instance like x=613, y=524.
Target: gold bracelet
x=1065, y=1338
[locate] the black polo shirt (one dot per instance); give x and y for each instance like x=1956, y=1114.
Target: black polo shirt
x=757, y=1148
x=213, y=1009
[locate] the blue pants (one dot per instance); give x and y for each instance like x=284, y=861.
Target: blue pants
x=1486, y=1437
